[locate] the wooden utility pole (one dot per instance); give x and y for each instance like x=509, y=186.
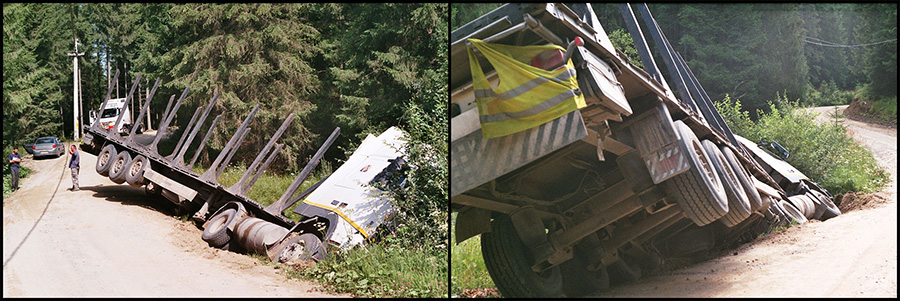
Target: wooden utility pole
x=75, y=108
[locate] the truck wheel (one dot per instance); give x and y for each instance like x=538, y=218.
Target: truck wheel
x=738, y=206
x=698, y=191
x=312, y=249
x=216, y=233
x=117, y=171
x=578, y=281
x=804, y=204
x=509, y=261
x=744, y=177
x=773, y=212
x=134, y=172
x=793, y=212
x=105, y=160
x=826, y=205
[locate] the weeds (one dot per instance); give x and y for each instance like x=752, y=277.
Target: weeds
x=379, y=270
x=467, y=265
x=7, y=178
x=822, y=152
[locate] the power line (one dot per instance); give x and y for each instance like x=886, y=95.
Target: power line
x=833, y=44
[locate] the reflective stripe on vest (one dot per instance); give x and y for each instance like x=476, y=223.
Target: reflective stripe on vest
x=537, y=109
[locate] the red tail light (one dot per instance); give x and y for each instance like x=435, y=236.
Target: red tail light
x=54, y=146
x=33, y=147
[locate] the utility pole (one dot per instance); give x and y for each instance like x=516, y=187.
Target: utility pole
x=75, y=111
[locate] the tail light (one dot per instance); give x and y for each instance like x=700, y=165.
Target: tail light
x=548, y=59
x=33, y=147
x=54, y=146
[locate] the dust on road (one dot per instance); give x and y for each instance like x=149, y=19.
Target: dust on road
x=113, y=240
x=852, y=255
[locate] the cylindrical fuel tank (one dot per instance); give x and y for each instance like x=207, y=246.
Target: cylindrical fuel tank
x=257, y=235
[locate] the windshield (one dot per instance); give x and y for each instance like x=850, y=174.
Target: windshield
x=110, y=113
x=44, y=140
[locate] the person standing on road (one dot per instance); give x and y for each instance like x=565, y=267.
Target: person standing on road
x=14, y=160
x=74, y=164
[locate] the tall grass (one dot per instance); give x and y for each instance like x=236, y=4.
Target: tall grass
x=382, y=270
x=466, y=264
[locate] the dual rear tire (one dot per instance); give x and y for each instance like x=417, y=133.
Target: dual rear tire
x=699, y=191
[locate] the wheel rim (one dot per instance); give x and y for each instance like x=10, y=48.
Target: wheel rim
x=705, y=163
x=118, y=165
x=104, y=158
x=136, y=167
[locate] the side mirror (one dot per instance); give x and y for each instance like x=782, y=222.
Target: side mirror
x=772, y=148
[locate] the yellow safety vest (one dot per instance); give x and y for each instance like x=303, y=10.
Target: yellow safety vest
x=527, y=96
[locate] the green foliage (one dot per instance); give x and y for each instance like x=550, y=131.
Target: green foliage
x=886, y=108
x=827, y=94
x=622, y=40
x=467, y=265
x=385, y=271
x=878, y=22
x=713, y=39
x=822, y=152
x=7, y=177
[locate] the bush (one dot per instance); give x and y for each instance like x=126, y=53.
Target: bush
x=384, y=271
x=467, y=265
x=823, y=152
x=7, y=177
x=827, y=94
x=886, y=109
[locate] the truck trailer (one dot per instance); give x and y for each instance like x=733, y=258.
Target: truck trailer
x=230, y=219
x=580, y=170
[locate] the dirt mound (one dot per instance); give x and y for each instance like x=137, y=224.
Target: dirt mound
x=861, y=110
x=857, y=200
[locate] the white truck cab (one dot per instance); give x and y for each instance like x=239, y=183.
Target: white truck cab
x=110, y=114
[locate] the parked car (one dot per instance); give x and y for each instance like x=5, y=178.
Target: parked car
x=48, y=146
x=29, y=145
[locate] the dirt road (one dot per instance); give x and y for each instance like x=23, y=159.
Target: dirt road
x=112, y=240
x=852, y=255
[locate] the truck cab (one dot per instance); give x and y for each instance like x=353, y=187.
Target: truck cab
x=110, y=114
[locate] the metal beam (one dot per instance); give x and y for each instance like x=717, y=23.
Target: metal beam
x=164, y=127
x=208, y=175
x=144, y=109
x=277, y=205
x=179, y=158
x=237, y=187
x=109, y=90
x=203, y=143
x=122, y=114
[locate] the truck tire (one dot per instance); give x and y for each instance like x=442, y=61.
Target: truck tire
x=744, y=177
x=134, y=172
x=216, y=232
x=738, y=206
x=826, y=205
x=313, y=249
x=105, y=160
x=792, y=212
x=578, y=281
x=804, y=204
x=698, y=191
x=117, y=170
x=508, y=261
